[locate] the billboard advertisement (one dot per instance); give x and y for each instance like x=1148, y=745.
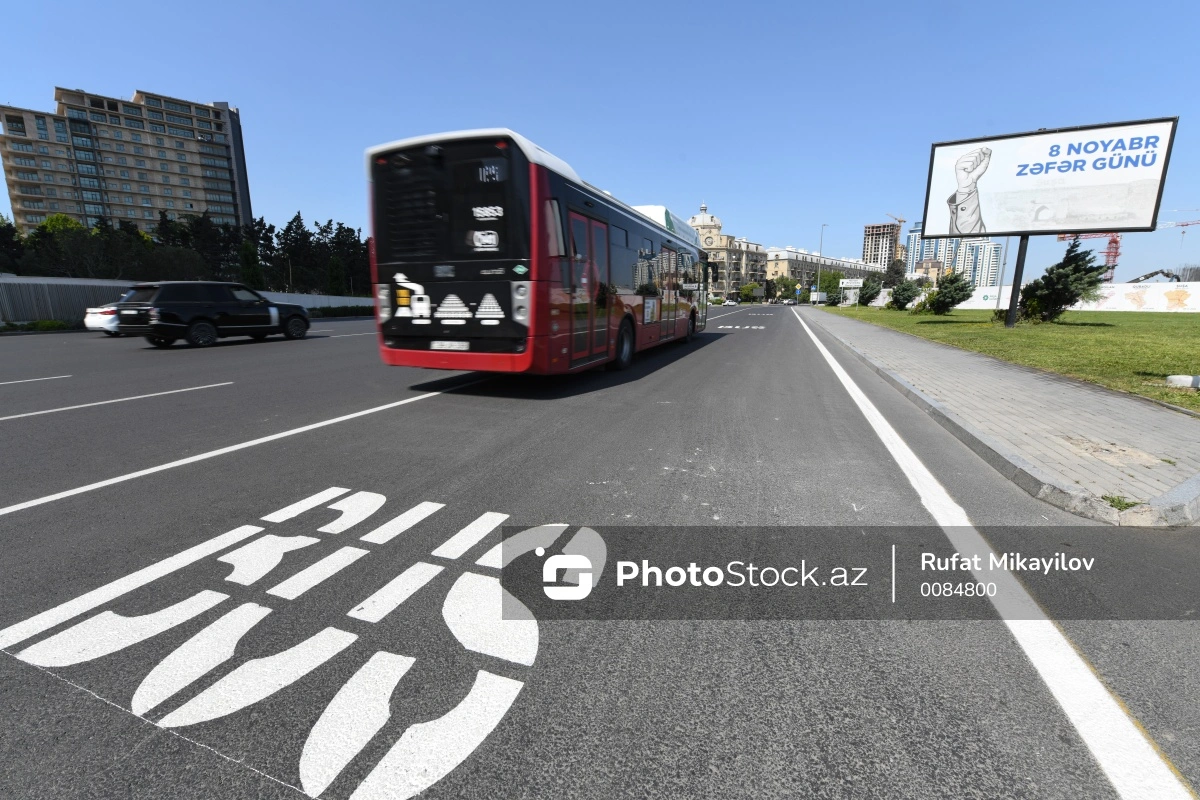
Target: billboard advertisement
x=1104, y=178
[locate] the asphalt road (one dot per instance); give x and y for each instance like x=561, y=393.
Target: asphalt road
x=247, y=677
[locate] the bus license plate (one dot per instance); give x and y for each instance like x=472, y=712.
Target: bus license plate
x=450, y=346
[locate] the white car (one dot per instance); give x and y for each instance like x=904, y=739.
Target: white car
x=103, y=318
x=730, y=303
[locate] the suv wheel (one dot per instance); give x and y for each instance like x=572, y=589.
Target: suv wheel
x=295, y=328
x=160, y=341
x=624, y=347
x=201, y=334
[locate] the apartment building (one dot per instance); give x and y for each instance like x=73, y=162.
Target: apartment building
x=99, y=156
x=738, y=261
x=881, y=243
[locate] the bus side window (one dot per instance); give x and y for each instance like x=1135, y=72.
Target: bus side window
x=646, y=274
x=623, y=261
x=555, y=245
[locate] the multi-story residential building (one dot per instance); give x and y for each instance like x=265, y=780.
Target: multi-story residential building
x=738, y=261
x=979, y=260
x=920, y=249
x=803, y=265
x=98, y=156
x=931, y=269
x=880, y=243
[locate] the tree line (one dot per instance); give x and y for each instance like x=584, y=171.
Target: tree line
x=328, y=258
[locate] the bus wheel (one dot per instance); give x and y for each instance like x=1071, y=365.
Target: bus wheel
x=691, y=331
x=624, y=347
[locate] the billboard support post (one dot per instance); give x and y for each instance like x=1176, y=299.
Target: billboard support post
x=1014, y=297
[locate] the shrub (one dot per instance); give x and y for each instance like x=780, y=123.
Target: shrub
x=952, y=289
x=834, y=298
x=922, y=305
x=903, y=294
x=50, y=325
x=870, y=290
x=1066, y=283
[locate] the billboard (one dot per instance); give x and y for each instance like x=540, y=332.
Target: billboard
x=1104, y=178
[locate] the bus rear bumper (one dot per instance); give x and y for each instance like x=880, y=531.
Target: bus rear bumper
x=475, y=362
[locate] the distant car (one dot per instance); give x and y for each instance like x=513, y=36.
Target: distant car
x=791, y=301
x=102, y=318
x=730, y=303
x=200, y=312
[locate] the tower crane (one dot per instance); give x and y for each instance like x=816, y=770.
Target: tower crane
x=1179, y=225
x=901, y=220
x=1112, y=253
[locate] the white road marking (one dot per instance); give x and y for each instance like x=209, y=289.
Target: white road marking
x=390, y=530
x=503, y=553
x=340, y=335
x=106, y=633
x=259, y=678
x=1124, y=752
x=31, y=380
x=357, y=712
x=355, y=509
x=219, y=452
x=46, y=620
x=428, y=751
x=308, y=503
x=310, y=576
x=470, y=536
x=118, y=400
x=395, y=592
x=251, y=561
x=196, y=657
x=475, y=609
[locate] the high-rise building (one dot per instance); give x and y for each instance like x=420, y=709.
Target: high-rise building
x=129, y=160
x=737, y=260
x=921, y=249
x=880, y=243
x=979, y=260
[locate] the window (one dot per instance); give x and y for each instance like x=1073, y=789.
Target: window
x=158, y=140
x=75, y=113
x=120, y=148
x=138, y=151
x=54, y=206
x=24, y=162
x=90, y=208
x=215, y=173
x=137, y=137
x=21, y=147
x=202, y=112
x=187, y=193
x=80, y=141
x=148, y=214
x=93, y=196
x=128, y=199
x=219, y=137
x=179, y=119
x=113, y=118
x=134, y=111
x=154, y=114
x=123, y=160
x=145, y=201
x=167, y=192
x=118, y=135
x=162, y=153
x=178, y=131
x=185, y=182
x=189, y=205
x=164, y=166
x=140, y=162
x=131, y=212
x=40, y=122
x=180, y=157
x=186, y=109
x=178, y=145
x=26, y=176
x=135, y=123
x=48, y=178
x=34, y=190
x=125, y=186
x=205, y=125
x=45, y=165
x=170, y=203
x=60, y=126
x=35, y=217
x=183, y=170
x=60, y=137
x=43, y=135
x=91, y=183
x=166, y=178
x=215, y=162
x=143, y=188
x=84, y=155
x=52, y=193
x=124, y=173
x=142, y=176
x=153, y=101
x=98, y=117
x=154, y=126
x=108, y=159
x=32, y=204
x=211, y=150
x=86, y=169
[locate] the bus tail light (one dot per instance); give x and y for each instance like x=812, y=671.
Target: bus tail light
x=521, y=301
x=383, y=304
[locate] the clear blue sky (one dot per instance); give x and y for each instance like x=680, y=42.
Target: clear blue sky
x=780, y=116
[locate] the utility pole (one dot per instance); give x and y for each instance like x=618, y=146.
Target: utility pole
x=820, y=255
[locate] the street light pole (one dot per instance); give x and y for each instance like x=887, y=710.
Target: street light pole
x=820, y=255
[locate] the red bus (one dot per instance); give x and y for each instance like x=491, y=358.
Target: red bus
x=488, y=253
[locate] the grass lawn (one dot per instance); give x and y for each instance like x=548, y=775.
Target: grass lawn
x=1125, y=350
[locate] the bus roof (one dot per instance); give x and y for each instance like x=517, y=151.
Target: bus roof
x=534, y=153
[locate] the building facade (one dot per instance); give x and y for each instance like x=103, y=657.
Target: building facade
x=737, y=261
x=880, y=243
x=979, y=261
x=804, y=266
x=920, y=249
x=124, y=160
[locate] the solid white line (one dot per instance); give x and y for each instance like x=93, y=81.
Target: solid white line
x=470, y=536
x=31, y=380
x=395, y=592
x=310, y=576
x=1128, y=757
x=118, y=400
x=214, y=453
x=110, y=591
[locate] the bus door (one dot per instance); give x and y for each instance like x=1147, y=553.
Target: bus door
x=589, y=298
x=669, y=266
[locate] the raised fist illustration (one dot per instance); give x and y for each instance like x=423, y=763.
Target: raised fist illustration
x=970, y=168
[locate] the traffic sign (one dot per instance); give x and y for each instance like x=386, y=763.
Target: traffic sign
x=850, y=283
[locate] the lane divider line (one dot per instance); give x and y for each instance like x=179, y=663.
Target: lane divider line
x=31, y=380
x=118, y=400
x=1132, y=762
x=50, y=498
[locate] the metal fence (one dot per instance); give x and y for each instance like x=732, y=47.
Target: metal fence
x=29, y=299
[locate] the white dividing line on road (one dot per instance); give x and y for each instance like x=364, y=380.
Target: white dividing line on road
x=343, y=335
x=31, y=380
x=50, y=498
x=1132, y=763
x=118, y=400
x=122, y=586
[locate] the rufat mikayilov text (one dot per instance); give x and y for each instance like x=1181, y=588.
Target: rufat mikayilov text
x=1013, y=562
x=736, y=574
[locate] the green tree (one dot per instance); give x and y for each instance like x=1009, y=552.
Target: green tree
x=870, y=290
x=786, y=286
x=1076, y=278
x=835, y=297
x=335, y=276
x=895, y=273
x=251, y=269
x=12, y=247
x=903, y=293
x=746, y=293
x=57, y=223
x=952, y=289
x=829, y=282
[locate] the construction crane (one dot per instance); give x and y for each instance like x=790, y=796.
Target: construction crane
x=901, y=220
x=1179, y=225
x=1112, y=253
x=1166, y=273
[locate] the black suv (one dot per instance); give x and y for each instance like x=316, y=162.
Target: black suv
x=200, y=312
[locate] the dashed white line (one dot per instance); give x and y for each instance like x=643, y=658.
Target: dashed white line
x=31, y=380
x=469, y=536
x=118, y=400
x=1127, y=756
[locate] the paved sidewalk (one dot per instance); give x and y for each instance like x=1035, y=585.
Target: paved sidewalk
x=1064, y=441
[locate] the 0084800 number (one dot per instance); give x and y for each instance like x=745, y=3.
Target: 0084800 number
x=973, y=589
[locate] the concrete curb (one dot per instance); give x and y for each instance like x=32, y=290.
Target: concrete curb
x=1179, y=506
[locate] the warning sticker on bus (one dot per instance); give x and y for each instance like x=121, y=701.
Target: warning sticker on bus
x=449, y=345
